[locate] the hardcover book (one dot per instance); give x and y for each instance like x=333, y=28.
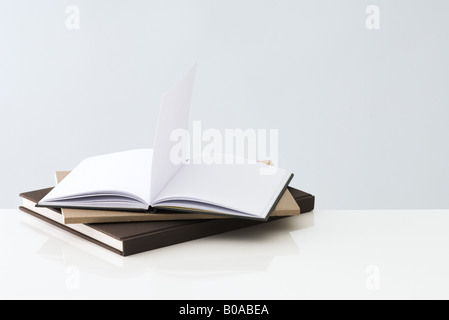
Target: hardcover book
x=286, y=206
x=129, y=238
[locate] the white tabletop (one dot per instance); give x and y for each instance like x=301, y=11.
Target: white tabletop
x=318, y=255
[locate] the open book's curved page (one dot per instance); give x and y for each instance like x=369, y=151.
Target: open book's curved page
x=120, y=179
x=238, y=189
x=173, y=115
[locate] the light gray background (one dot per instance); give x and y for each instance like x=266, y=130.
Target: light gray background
x=362, y=114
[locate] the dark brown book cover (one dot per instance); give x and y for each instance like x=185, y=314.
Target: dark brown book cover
x=136, y=237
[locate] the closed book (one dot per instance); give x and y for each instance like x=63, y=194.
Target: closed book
x=128, y=238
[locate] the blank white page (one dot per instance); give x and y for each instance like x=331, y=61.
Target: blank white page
x=239, y=187
x=127, y=172
x=174, y=114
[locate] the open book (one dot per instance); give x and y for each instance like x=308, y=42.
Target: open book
x=148, y=179
x=287, y=206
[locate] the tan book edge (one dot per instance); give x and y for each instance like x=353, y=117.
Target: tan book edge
x=286, y=206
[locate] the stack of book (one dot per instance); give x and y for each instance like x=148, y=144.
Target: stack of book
x=138, y=200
